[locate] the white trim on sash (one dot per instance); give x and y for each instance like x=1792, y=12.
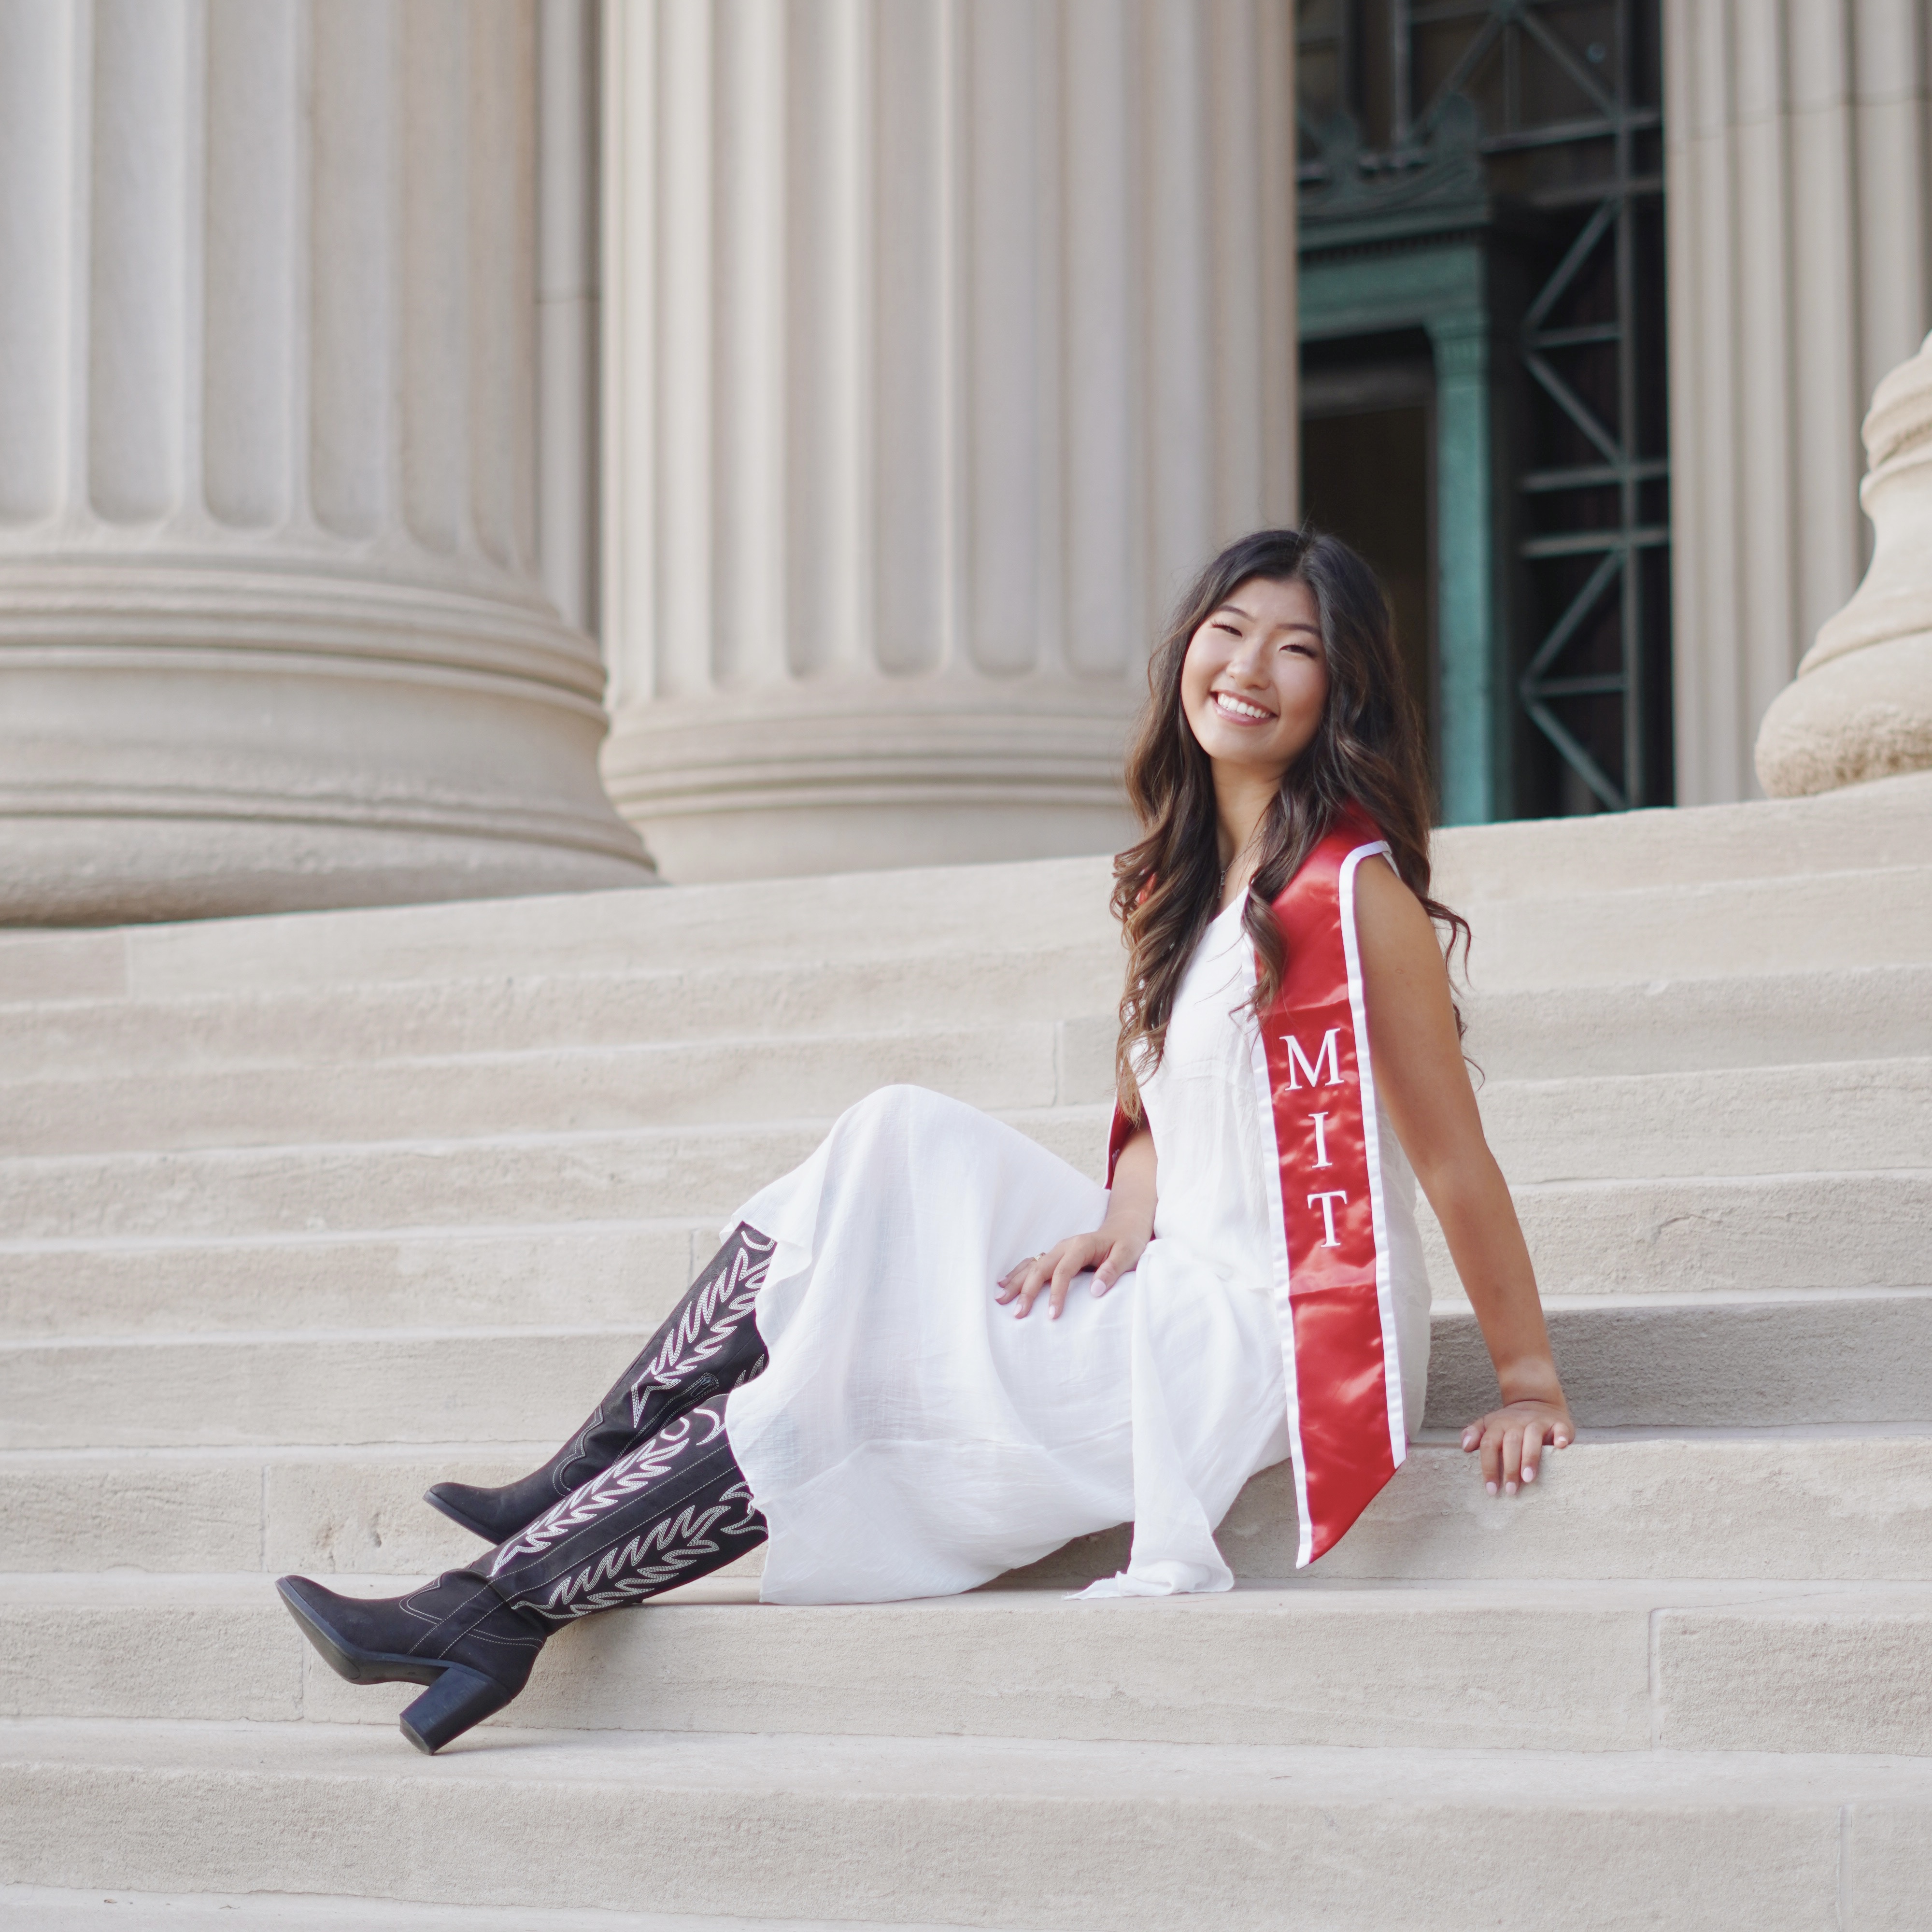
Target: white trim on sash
x=1304, y=1549
x=1371, y=1141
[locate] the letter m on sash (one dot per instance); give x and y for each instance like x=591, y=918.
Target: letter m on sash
x=1329, y=1056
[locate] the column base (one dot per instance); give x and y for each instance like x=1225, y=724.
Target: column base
x=1866, y=714
x=188, y=742
x=874, y=775
x=72, y=870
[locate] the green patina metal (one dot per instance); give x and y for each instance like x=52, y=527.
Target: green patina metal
x=1503, y=202
x=1437, y=255
x=1444, y=287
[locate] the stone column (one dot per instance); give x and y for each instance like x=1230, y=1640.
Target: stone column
x=1800, y=265
x=271, y=633
x=944, y=338
x=1862, y=705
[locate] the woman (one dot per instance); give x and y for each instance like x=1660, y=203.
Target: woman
x=845, y=1380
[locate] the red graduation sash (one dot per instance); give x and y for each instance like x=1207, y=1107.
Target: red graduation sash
x=1314, y=1086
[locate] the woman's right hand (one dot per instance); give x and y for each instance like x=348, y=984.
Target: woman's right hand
x=1110, y=1252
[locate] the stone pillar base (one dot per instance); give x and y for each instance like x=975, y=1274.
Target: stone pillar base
x=1865, y=715
x=1860, y=705
x=185, y=742
x=127, y=871
x=880, y=773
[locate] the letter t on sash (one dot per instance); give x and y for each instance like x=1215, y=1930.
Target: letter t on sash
x=1327, y=1201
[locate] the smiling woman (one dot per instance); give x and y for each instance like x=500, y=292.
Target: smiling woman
x=846, y=1381
x=1254, y=681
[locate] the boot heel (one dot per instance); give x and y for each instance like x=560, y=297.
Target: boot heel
x=457, y=1699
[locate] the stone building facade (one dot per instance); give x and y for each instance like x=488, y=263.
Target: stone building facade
x=467, y=449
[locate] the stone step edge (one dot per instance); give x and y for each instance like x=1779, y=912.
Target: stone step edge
x=572, y=1138
x=1507, y=877
x=426, y=1065
x=593, y=1052
x=977, y=1830
x=1315, y=1594
x=778, y=1760
x=33, y=1908
x=325, y=1237
x=1052, y=1834
x=174, y=1011
x=1084, y=1113
x=1634, y=1665
x=1608, y=1435
x=1451, y=1309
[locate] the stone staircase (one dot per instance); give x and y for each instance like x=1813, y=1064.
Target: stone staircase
x=298, y=1214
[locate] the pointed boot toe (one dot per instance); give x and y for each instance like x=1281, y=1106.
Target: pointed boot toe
x=483, y=1512
x=454, y=1635
x=349, y=1633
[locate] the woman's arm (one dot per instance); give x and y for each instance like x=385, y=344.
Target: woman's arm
x=1422, y=1082
x=1110, y=1251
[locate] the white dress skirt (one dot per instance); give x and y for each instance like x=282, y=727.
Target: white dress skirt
x=911, y=1437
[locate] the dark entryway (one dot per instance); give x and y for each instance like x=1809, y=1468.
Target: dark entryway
x=1367, y=476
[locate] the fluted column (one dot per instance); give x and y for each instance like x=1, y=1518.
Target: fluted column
x=1800, y=271
x=272, y=631
x=943, y=339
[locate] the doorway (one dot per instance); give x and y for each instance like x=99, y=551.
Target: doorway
x=1368, y=477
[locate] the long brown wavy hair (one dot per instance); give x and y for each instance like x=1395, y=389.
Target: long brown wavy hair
x=1369, y=752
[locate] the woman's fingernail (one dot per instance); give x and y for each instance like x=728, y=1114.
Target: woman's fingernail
x=1491, y=1487
x=1529, y=1472
x=1509, y=1489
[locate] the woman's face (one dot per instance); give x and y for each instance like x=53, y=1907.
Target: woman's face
x=1256, y=678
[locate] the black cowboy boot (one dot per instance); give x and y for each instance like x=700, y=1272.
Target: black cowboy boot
x=707, y=1345
x=671, y=1510
x=674, y=1509
x=457, y=1635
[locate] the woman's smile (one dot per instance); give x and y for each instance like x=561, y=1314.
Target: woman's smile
x=1240, y=710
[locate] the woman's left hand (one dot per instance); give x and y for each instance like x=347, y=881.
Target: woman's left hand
x=1511, y=1439
x=1110, y=1252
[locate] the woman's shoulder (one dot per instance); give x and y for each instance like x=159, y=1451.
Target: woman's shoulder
x=1393, y=924
x=1350, y=832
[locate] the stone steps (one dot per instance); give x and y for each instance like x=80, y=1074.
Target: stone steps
x=1807, y=1503
x=547, y=1090
x=976, y=1831
x=35, y=1908
x=1527, y=1030
x=1799, y=846
x=1516, y=1665
x=542, y=1274
x=1678, y=1025
x=1739, y=1123
x=1755, y=1235
x=1827, y=1359
x=1571, y=931
x=516, y=1009
x=289, y=1205
x=1751, y=1118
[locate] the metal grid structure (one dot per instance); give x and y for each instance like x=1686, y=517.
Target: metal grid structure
x=1569, y=97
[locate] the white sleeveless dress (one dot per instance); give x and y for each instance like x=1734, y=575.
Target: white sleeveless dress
x=911, y=1437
